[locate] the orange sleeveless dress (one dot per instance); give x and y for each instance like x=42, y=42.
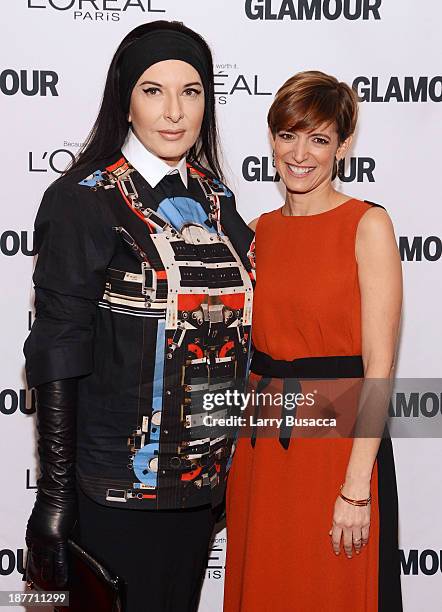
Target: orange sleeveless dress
x=280, y=501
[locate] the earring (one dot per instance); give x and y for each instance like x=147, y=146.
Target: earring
x=273, y=158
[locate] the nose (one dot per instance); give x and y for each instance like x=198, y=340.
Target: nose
x=299, y=150
x=173, y=108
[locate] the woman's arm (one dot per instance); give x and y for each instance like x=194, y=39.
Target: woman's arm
x=380, y=281
x=74, y=246
x=55, y=510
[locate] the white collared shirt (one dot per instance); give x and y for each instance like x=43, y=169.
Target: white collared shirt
x=151, y=167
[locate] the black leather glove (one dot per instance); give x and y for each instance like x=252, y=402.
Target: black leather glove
x=55, y=510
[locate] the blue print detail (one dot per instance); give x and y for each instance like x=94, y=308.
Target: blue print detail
x=178, y=211
x=146, y=464
x=92, y=179
x=227, y=191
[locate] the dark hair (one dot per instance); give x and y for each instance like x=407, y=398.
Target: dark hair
x=311, y=98
x=110, y=128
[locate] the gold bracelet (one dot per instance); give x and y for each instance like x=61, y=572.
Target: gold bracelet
x=355, y=502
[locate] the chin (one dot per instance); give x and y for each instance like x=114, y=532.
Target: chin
x=297, y=188
x=173, y=151
x=170, y=154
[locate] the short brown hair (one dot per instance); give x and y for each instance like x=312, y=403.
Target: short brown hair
x=311, y=98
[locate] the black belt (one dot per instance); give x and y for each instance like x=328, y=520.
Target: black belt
x=336, y=366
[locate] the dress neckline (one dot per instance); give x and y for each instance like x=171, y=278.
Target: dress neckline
x=325, y=212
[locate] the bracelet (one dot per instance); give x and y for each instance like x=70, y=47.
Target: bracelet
x=355, y=502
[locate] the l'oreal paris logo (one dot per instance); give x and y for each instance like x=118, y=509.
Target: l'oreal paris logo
x=227, y=83
x=98, y=10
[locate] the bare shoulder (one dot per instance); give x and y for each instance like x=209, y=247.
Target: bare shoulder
x=375, y=236
x=253, y=224
x=375, y=223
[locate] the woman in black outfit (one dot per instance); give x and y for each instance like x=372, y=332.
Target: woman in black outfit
x=143, y=294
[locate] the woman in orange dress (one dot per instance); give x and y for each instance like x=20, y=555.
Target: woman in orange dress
x=327, y=306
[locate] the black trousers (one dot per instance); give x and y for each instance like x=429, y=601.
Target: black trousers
x=161, y=554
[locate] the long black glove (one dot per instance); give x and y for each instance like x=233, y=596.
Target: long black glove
x=55, y=510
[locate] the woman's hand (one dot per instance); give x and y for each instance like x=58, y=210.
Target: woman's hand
x=351, y=523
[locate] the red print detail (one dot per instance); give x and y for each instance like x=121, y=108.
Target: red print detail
x=191, y=475
x=233, y=300
x=190, y=302
x=228, y=346
x=196, y=350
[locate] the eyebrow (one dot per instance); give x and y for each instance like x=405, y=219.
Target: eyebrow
x=309, y=133
x=159, y=84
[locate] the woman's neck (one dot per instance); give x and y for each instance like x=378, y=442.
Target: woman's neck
x=312, y=203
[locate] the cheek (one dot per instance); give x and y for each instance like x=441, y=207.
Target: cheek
x=280, y=167
x=325, y=157
x=142, y=112
x=195, y=114
x=281, y=149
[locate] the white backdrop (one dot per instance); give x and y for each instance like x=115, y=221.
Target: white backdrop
x=391, y=48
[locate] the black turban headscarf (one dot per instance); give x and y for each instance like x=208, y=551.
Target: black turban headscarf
x=157, y=46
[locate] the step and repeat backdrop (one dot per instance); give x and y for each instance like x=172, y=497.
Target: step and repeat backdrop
x=54, y=59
